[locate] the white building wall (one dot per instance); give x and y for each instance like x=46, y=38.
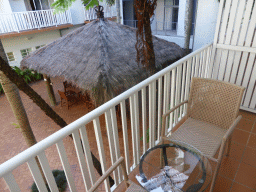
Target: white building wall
x=181, y=18
x=205, y=23
x=5, y=6
x=206, y=18
x=15, y=44
x=17, y=5
x=77, y=12
x=159, y=16
x=176, y=39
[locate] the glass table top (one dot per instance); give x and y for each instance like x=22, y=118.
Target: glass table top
x=175, y=167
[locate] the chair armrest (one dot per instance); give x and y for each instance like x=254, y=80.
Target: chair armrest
x=166, y=114
x=232, y=127
x=226, y=137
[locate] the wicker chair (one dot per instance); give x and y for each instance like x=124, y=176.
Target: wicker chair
x=130, y=186
x=69, y=97
x=211, y=117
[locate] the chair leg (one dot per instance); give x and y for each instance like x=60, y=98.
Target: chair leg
x=228, y=147
x=215, y=176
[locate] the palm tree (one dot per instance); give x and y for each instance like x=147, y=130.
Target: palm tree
x=188, y=24
x=13, y=96
x=144, y=10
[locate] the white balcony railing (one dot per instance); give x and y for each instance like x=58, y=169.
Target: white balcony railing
x=148, y=100
x=109, y=12
x=20, y=21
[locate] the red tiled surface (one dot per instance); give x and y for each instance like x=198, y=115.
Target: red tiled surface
x=237, y=173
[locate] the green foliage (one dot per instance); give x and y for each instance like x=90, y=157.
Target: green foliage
x=63, y=5
x=60, y=179
x=27, y=74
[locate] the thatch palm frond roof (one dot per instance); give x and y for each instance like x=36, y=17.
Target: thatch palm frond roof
x=99, y=57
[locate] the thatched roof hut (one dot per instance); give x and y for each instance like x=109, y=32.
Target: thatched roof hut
x=99, y=58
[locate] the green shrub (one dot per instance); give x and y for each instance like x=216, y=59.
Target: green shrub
x=60, y=179
x=27, y=74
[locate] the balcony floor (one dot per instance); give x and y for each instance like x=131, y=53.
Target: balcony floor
x=237, y=173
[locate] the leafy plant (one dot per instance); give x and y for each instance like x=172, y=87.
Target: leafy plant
x=63, y=5
x=27, y=74
x=60, y=180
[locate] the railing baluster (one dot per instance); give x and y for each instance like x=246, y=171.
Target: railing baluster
x=150, y=118
x=166, y=95
x=204, y=63
x=200, y=64
x=172, y=99
x=87, y=153
x=81, y=159
x=193, y=64
x=134, y=141
x=36, y=175
x=111, y=143
x=144, y=119
x=153, y=113
x=137, y=126
x=125, y=136
x=188, y=80
x=160, y=92
x=116, y=139
x=98, y=135
x=177, y=97
x=197, y=65
x=10, y=181
x=47, y=171
x=183, y=87
x=66, y=166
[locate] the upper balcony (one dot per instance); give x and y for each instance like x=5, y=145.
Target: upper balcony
x=17, y=22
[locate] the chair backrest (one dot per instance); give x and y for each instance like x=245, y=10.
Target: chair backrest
x=62, y=95
x=213, y=101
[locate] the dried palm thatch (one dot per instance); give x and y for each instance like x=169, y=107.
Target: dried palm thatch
x=99, y=58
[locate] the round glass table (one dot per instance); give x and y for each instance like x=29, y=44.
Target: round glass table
x=175, y=167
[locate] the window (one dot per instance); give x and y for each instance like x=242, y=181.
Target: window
x=10, y=56
x=25, y=52
x=171, y=9
x=38, y=47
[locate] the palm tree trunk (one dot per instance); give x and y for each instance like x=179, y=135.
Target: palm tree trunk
x=50, y=90
x=188, y=23
x=148, y=38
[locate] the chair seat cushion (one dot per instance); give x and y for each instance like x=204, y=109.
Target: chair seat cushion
x=201, y=135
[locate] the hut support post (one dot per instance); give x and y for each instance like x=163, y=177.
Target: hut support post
x=50, y=90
